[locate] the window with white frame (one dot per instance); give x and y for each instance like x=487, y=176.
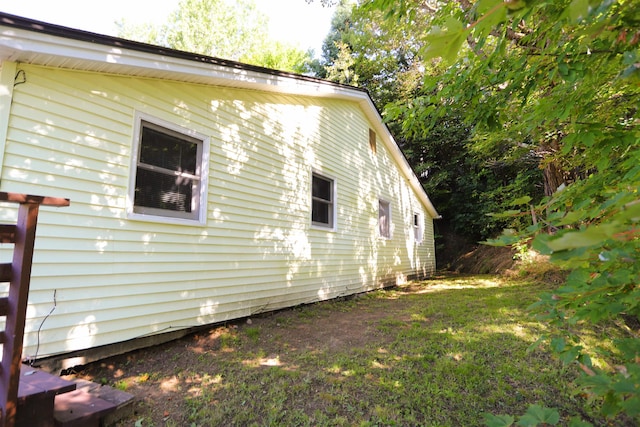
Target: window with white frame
x=170, y=175
x=384, y=218
x=418, y=229
x=322, y=201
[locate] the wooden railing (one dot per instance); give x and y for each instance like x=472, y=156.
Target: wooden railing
x=14, y=306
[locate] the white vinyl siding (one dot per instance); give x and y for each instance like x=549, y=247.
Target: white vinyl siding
x=70, y=135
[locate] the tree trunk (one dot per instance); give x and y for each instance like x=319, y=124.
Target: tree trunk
x=553, y=177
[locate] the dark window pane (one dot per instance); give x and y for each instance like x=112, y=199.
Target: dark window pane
x=162, y=191
x=321, y=212
x=168, y=151
x=322, y=188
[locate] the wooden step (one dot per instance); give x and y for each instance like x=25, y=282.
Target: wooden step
x=48, y=400
x=36, y=393
x=80, y=408
x=120, y=404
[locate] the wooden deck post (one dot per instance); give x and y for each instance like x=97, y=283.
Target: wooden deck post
x=14, y=306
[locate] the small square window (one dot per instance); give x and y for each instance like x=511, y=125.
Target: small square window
x=384, y=219
x=169, y=176
x=322, y=201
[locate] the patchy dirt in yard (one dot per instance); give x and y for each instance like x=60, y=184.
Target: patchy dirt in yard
x=160, y=377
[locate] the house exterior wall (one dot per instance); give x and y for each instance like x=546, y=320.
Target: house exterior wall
x=112, y=278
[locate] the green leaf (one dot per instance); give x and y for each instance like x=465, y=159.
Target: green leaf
x=585, y=360
x=599, y=384
x=632, y=61
x=524, y=200
x=540, y=340
x=557, y=345
x=505, y=214
x=578, y=277
x=578, y=10
x=568, y=143
x=588, y=138
x=590, y=236
x=516, y=4
x=491, y=420
x=536, y=415
x=508, y=237
x=632, y=406
x=570, y=355
x=502, y=241
x=611, y=405
x=563, y=68
x=630, y=347
x=444, y=42
x=629, y=212
x=490, y=13
x=566, y=110
x=541, y=244
x=572, y=258
x=625, y=386
x=572, y=217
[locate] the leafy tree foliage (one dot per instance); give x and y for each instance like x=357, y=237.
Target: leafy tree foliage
x=225, y=29
x=560, y=81
x=280, y=56
x=466, y=183
x=364, y=49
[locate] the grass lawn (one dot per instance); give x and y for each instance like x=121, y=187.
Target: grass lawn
x=436, y=353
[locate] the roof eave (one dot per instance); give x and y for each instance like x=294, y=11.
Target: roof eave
x=24, y=40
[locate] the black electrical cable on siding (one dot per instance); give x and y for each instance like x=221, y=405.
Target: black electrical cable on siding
x=55, y=303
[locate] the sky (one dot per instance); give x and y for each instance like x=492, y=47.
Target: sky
x=295, y=21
